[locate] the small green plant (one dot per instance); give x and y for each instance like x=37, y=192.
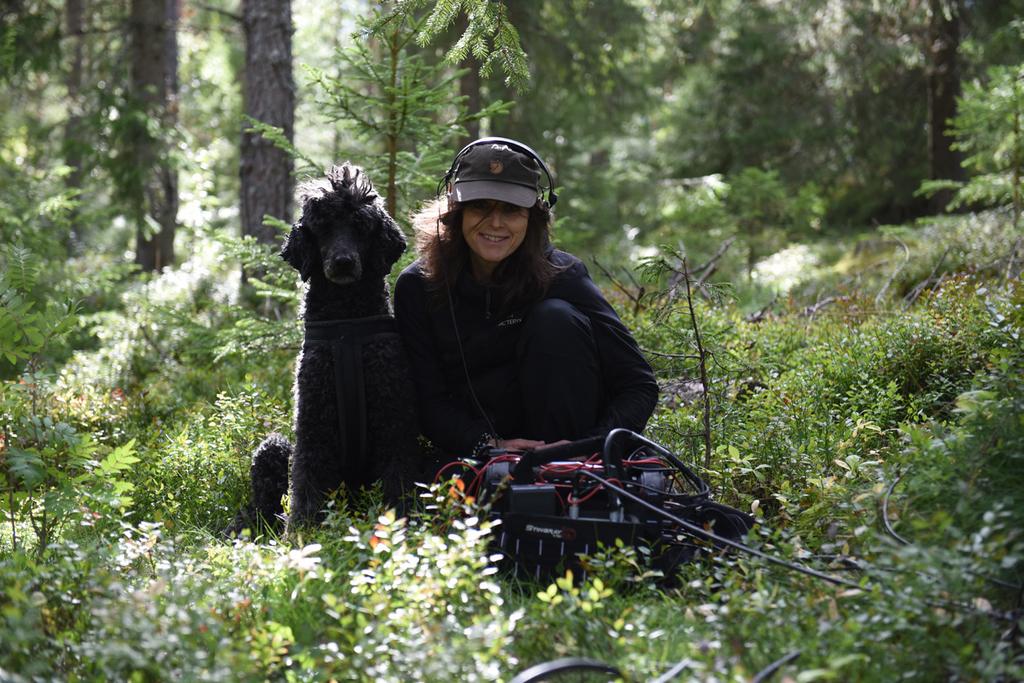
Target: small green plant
x=198, y=475
x=392, y=107
x=52, y=475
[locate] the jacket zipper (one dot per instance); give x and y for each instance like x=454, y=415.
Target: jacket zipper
x=487, y=304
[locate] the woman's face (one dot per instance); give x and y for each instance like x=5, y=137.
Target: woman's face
x=493, y=230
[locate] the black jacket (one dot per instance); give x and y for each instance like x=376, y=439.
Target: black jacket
x=446, y=411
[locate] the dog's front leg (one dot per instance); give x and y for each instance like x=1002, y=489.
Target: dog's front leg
x=315, y=467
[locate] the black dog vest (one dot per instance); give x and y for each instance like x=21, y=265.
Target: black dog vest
x=346, y=338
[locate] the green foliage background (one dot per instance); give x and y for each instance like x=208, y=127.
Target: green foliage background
x=865, y=353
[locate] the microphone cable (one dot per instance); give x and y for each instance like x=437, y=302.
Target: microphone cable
x=458, y=342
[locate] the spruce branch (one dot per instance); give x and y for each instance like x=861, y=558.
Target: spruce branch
x=490, y=36
x=275, y=136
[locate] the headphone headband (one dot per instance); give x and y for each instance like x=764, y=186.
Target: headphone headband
x=516, y=146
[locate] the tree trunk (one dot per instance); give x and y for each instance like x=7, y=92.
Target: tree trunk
x=154, y=68
x=74, y=24
x=269, y=96
x=943, y=89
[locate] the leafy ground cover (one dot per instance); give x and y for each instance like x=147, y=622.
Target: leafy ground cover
x=126, y=436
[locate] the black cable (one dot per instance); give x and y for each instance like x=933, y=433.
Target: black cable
x=701, y=492
x=885, y=511
x=542, y=671
x=465, y=368
x=462, y=354
x=901, y=539
x=673, y=496
x=702, y=533
x=671, y=674
x=709, y=535
x=615, y=435
x=769, y=670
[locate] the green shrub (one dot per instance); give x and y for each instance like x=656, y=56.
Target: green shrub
x=197, y=474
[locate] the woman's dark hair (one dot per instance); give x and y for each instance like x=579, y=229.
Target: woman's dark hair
x=522, y=278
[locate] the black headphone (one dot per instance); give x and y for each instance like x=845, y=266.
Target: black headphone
x=516, y=146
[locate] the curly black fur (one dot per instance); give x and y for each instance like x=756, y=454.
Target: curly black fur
x=268, y=475
x=344, y=245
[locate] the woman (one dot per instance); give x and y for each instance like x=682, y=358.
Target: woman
x=511, y=343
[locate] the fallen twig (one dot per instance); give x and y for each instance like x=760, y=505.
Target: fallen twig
x=1012, y=260
x=896, y=271
x=812, y=310
x=921, y=286
x=760, y=315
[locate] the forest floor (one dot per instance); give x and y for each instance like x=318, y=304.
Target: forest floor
x=870, y=418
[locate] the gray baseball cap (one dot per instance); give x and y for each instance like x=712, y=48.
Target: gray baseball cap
x=496, y=171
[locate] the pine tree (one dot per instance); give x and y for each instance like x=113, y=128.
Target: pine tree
x=404, y=109
x=266, y=170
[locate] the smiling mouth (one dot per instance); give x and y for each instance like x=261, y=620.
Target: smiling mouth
x=493, y=238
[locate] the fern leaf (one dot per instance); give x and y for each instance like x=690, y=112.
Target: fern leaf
x=22, y=269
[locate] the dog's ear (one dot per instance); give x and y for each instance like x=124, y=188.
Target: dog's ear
x=390, y=244
x=299, y=250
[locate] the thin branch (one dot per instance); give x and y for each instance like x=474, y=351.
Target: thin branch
x=634, y=297
x=681, y=434
x=677, y=356
x=629, y=274
x=217, y=10
x=702, y=365
x=702, y=280
x=813, y=309
x=10, y=489
x=896, y=271
x=709, y=268
x=153, y=345
x=1012, y=259
x=921, y=286
x=706, y=271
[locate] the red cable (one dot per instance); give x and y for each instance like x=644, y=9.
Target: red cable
x=591, y=493
x=478, y=479
x=454, y=463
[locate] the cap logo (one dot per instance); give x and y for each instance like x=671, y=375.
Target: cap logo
x=496, y=166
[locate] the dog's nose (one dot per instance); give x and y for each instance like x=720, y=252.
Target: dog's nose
x=343, y=263
x=343, y=267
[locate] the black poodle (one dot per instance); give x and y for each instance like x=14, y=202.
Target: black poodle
x=355, y=420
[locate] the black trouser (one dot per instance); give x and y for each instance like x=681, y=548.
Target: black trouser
x=559, y=376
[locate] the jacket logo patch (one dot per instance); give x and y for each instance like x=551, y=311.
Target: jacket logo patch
x=509, y=322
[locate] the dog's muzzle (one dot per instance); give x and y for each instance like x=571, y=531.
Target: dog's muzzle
x=343, y=269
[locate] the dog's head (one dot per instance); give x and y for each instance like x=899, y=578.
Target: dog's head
x=344, y=231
